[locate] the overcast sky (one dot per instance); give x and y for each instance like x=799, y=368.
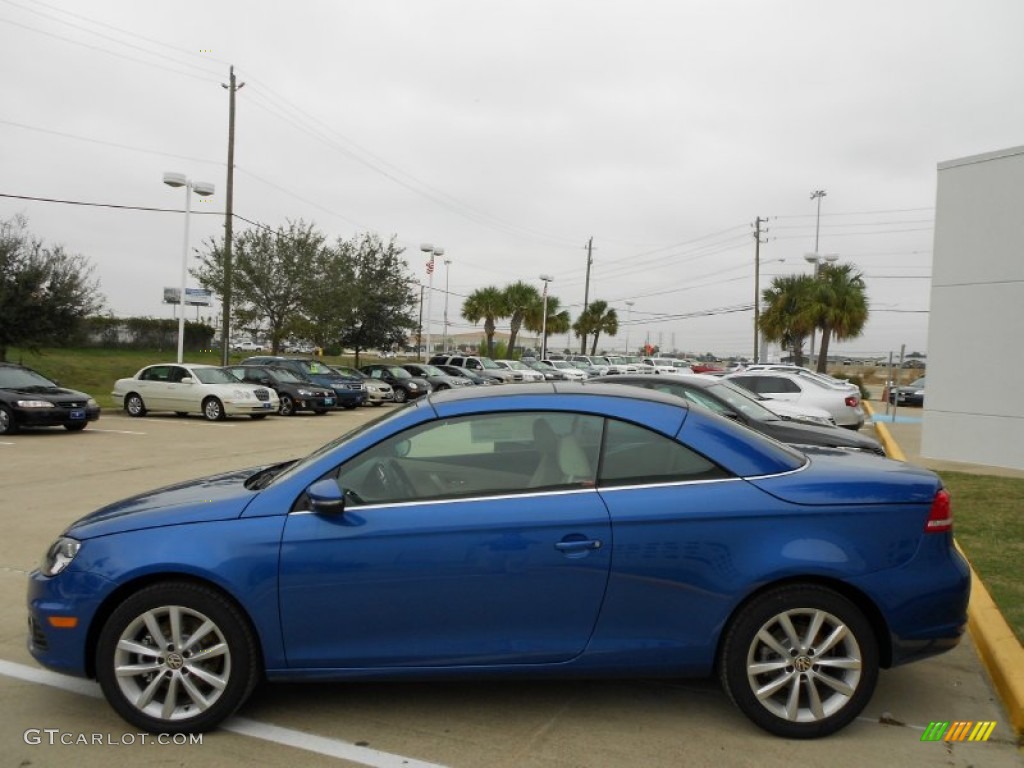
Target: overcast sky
x=510, y=133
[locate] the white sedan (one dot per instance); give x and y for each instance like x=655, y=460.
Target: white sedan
x=844, y=405
x=183, y=388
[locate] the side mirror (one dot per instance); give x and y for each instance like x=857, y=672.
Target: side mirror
x=326, y=498
x=187, y=380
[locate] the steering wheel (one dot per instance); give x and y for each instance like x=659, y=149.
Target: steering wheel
x=391, y=481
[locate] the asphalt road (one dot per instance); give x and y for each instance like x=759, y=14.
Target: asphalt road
x=49, y=478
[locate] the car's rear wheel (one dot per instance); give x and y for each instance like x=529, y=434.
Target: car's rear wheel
x=176, y=658
x=133, y=405
x=287, y=407
x=213, y=409
x=401, y=395
x=8, y=426
x=800, y=661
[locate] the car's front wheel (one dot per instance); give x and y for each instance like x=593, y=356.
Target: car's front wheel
x=213, y=409
x=287, y=407
x=134, y=406
x=176, y=657
x=401, y=395
x=800, y=661
x=8, y=426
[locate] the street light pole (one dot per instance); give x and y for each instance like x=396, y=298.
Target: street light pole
x=433, y=251
x=544, y=319
x=447, y=269
x=203, y=189
x=816, y=195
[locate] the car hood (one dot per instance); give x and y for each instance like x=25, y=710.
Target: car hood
x=837, y=477
x=217, y=497
x=47, y=393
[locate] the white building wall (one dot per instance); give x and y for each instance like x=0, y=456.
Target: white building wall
x=974, y=409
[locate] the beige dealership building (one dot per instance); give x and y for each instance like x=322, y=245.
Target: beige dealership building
x=974, y=410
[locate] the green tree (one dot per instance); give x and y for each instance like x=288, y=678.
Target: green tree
x=520, y=300
x=270, y=273
x=381, y=296
x=487, y=304
x=558, y=319
x=596, y=319
x=45, y=292
x=838, y=305
x=785, y=318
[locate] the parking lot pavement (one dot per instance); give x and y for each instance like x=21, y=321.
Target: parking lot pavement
x=51, y=478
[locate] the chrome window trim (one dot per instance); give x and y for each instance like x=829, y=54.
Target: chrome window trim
x=461, y=499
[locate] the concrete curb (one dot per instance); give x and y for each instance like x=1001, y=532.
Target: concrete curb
x=998, y=648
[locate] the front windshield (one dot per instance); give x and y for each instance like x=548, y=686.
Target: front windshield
x=344, y=370
x=515, y=365
x=316, y=367
x=283, y=374
x=740, y=400
x=214, y=376
x=16, y=378
x=563, y=364
x=432, y=370
x=486, y=362
x=399, y=373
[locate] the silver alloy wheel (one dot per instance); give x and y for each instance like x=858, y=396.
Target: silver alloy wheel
x=172, y=663
x=134, y=405
x=804, y=665
x=287, y=407
x=213, y=410
x=7, y=425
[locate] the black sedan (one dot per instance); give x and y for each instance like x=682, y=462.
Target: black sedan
x=909, y=394
x=406, y=386
x=29, y=399
x=294, y=391
x=727, y=399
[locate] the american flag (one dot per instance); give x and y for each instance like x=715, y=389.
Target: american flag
x=430, y=266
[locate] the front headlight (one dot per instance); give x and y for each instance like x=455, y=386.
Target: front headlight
x=91, y=403
x=306, y=392
x=59, y=556
x=35, y=404
x=412, y=385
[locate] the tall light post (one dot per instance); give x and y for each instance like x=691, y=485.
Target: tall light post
x=447, y=269
x=815, y=257
x=629, y=317
x=203, y=189
x=434, y=251
x=544, y=319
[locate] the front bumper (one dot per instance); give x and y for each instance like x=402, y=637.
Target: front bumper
x=54, y=417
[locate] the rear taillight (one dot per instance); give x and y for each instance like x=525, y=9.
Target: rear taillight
x=852, y=401
x=940, y=518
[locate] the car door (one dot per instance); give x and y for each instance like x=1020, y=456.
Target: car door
x=459, y=546
x=182, y=396
x=154, y=387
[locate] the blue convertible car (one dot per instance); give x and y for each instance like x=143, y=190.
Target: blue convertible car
x=556, y=530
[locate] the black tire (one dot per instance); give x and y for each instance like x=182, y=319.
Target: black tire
x=812, y=691
x=213, y=409
x=226, y=651
x=133, y=405
x=258, y=416
x=401, y=395
x=8, y=426
x=77, y=427
x=287, y=406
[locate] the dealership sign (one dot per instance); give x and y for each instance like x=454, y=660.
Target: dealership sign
x=194, y=297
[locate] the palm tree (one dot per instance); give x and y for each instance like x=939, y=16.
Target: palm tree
x=487, y=304
x=597, y=319
x=785, y=319
x=520, y=299
x=839, y=306
x=557, y=322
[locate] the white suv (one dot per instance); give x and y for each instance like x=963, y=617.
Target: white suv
x=663, y=364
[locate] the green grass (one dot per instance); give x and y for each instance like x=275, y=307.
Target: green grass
x=988, y=514
x=94, y=371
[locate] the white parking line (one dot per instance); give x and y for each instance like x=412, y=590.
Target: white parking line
x=118, y=431
x=288, y=737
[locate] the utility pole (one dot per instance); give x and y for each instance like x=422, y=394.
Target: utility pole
x=225, y=341
x=816, y=195
x=419, y=328
x=757, y=285
x=586, y=292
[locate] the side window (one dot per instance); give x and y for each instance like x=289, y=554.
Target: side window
x=177, y=374
x=458, y=361
x=494, y=454
x=634, y=456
